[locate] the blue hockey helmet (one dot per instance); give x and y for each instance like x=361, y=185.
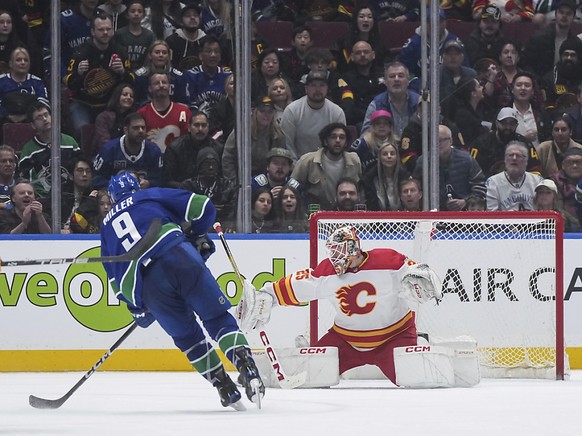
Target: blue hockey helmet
x=122, y=185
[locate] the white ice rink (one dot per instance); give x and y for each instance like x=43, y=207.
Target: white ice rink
x=182, y=403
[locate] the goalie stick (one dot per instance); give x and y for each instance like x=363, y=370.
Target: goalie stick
x=43, y=403
x=285, y=381
x=135, y=253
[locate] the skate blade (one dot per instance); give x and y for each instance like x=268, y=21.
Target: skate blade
x=257, y=396
x=238, y=406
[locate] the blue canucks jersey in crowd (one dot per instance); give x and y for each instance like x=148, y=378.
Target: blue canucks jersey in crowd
x=129, y=220
x=203, y=90
x=75, y=30
x=32, y=85
x=112, y=158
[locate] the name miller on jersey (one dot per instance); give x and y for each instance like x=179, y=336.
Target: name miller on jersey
x=118, y=208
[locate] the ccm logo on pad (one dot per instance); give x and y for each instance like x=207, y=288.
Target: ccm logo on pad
x=417, y=349
x=312, y=350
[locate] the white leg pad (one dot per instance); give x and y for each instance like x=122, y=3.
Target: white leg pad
x=424, y=366
x=321, y=365
x=466, y=359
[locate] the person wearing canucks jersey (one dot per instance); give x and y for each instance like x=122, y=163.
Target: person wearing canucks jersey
x=170, y=281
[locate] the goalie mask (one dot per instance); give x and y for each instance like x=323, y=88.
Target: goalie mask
x=343, y=246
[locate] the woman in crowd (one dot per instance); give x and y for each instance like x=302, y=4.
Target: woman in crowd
x=281, y=94
x=109, y=123
x=262, y=204
x=26, y=216
x=163, y=17
x=19, y=89
x=381, y=182
x=551, y=152
x=158, y=60
x=290, y=216
x=269, y=69
x=469, y=115
x=364, y=27
x=380, y=133
x=265, y=134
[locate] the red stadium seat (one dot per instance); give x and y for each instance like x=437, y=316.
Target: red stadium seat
x=278, y=34
x=327, y=33
x=17, y=134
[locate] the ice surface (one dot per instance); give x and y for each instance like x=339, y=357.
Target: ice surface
x=182, y=403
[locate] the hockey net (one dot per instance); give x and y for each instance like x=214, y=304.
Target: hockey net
x=502, y=280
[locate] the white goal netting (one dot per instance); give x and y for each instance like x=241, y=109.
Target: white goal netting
x=499, y=275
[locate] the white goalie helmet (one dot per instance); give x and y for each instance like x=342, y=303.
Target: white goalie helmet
x=343, y=246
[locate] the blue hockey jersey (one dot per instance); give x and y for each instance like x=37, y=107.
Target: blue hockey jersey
x=32, y=85
x=129, y=220
x=203, y=90
x=113, y=158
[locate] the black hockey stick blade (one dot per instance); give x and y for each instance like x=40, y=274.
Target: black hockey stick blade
x=43, y=403
x=135, y=253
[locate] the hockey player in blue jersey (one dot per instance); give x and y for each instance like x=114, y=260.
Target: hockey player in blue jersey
x=170, y=283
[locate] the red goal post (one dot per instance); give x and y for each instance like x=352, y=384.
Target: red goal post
x=502, y=276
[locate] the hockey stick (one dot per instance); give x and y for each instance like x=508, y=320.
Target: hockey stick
x=285, y=381
x=43, y=403
x=135, y=253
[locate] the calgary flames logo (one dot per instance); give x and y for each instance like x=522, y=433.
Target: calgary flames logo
x=348, y=298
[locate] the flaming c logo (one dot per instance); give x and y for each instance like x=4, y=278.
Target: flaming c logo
x=348, y=298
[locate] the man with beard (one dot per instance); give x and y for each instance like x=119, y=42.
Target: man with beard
x=304, y=118
x=180, y=157
x=95, y=69
x=131, y=152
x=279, y=164
x=566, y=75
x=489, y=148
x=320, y=171
x=483, y=41
x=185, y=42
x=539, y=54
x=346, y=195
x=165, y=119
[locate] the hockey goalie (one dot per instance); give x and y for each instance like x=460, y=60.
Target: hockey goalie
x=372, y=293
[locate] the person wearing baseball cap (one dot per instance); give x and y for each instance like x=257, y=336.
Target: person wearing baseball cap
x=265, y=134
x=482, y=42
x=489, y=148
x=546, y=198
x=452, y=73
x=379, y=133
x=278, y=172
x=185, y=41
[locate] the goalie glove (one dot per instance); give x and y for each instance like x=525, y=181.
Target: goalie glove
x=254, y=308
x=420, y=284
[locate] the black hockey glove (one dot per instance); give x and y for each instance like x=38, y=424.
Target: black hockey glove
x=204, y=245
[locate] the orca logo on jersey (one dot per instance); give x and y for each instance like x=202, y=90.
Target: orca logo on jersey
x=348, y=297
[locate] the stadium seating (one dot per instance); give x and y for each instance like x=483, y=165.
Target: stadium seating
x=17, y=134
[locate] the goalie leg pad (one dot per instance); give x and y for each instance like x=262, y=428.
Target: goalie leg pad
x=321, y=365
x=424, y=366
x=466, y=359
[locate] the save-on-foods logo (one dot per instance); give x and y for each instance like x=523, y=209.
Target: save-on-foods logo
x=84, y=290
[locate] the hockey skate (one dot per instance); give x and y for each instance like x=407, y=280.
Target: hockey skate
x=227, y=390
x=249, y=376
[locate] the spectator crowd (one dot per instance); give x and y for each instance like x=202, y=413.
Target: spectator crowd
x=148, y=87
